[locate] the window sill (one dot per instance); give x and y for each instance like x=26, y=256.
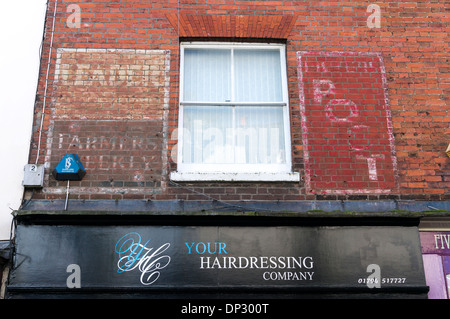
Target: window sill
x=235, y=177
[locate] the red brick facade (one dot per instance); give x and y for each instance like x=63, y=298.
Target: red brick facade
x=368, y=106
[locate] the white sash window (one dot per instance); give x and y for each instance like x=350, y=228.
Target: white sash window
x=233, y=118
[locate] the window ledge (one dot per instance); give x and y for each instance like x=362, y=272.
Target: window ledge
x=235, y=177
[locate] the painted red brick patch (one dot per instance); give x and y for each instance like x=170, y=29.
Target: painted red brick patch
x=346, y=123
x=124, y=154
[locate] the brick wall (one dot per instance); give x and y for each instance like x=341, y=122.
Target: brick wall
x=368, y=106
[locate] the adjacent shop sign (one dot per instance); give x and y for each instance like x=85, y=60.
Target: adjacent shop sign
x=435, y=242
x=216, y=258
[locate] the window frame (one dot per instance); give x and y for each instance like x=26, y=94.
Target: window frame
x=235, y=172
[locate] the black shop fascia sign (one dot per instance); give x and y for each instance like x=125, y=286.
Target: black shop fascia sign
x=212, y=257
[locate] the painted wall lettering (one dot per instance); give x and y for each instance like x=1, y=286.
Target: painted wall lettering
x=74, y=19
x=125, y=151
x=209, y=248
x=160, y=259
x=435, y=242
x=374, y=279
x=74, y=279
